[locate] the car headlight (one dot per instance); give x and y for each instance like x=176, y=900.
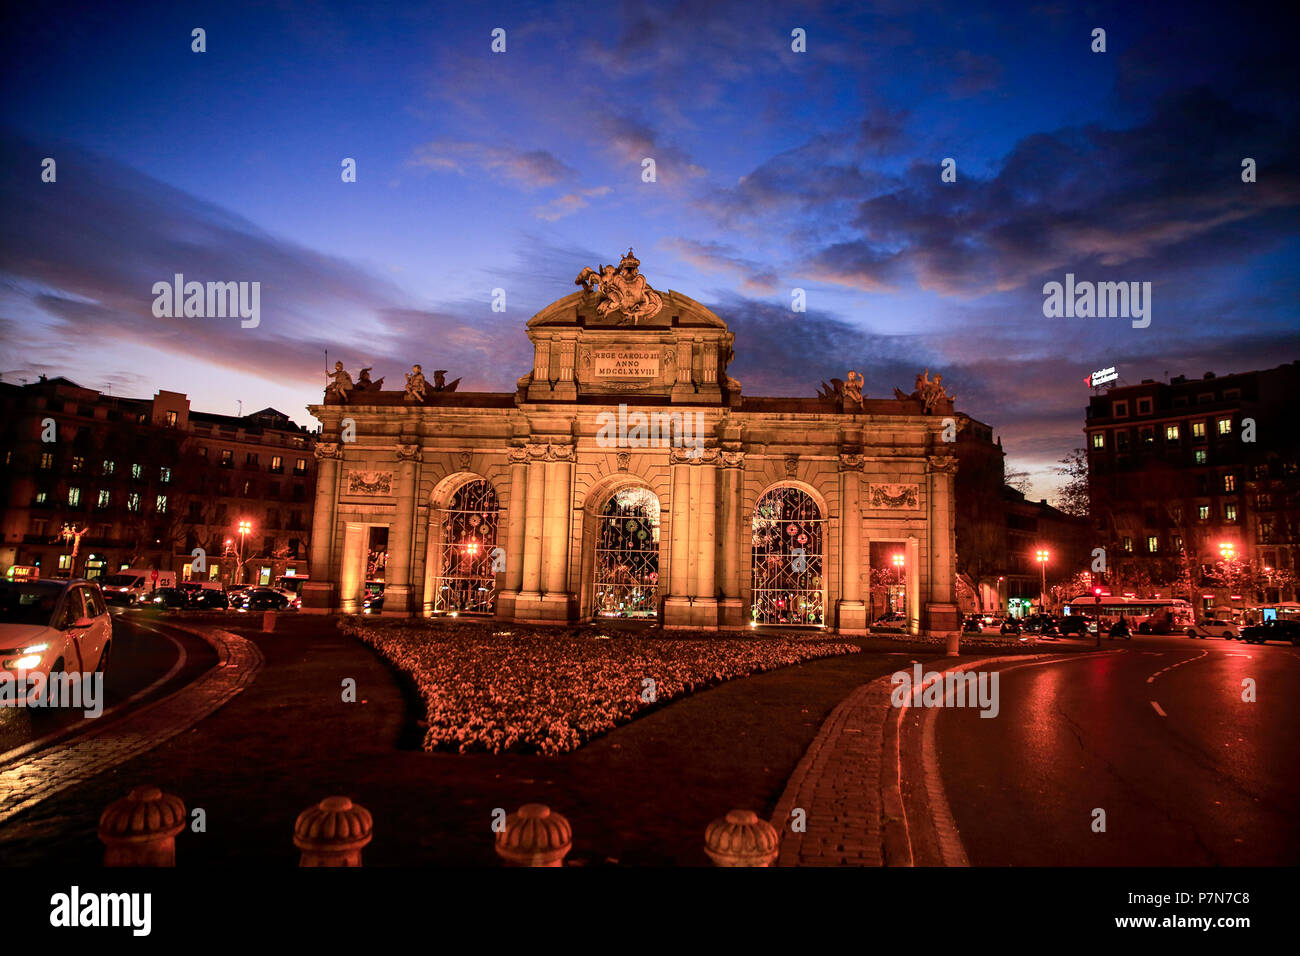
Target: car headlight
x=29, y=657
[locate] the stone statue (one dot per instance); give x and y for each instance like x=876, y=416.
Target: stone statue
x=929, y=392
x=440, y=381
x=853, y=388
x=415, y=385
x=623, y=290
x=340, y=383
x=365, y=385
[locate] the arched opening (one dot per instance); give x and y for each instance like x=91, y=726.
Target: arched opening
x=626, y=570
x=789, y=546
x=468, y=554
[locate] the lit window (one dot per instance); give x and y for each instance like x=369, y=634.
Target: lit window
x=137, y=472
x=300, y=466
x=78, y=463
x=160, y=505
x=1098, y=439
x=133, y=501
x=1153, y=544
x=1198, y=429
x=1171, y=433
x=1229, y=512
x=277, y=463
x=108, y=466
x=171, y=419
x=1128, y=544
x=104, y=497
x=1200, y=456
x=227, y=458
x=1203, y=512
x=47, y=460
x=165, y=475
x=1225, y=426
x=1148, y=436
x=42, y=497
x=65, y=563
x=1229, y=482
x=74, y=497
x=1178, y=543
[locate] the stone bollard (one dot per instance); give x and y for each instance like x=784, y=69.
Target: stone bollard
x=140, y=829
x=268, y=622
x=952, y=645
x=534, y=836
x=332, y=833
x=741, y=839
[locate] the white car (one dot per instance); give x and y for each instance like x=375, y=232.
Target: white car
x=56, y=626
x=1213, y=627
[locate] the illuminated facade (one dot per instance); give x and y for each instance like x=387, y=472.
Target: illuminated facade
x=628, y=476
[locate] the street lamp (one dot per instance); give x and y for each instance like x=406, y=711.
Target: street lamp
x=1042, y=555
x=245, y=528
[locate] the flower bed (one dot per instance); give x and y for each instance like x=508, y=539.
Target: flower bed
x=496, y=688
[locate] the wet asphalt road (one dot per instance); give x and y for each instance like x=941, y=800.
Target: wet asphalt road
x=1215, y=781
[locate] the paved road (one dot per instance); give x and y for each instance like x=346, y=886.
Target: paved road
x=1157, y=736
x=147, y=659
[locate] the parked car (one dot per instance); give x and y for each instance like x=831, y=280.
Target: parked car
x=165, y=599
x=264, y=599
x=1272, y=631
x=209, y=599
x=1075, y=625
x=1214, y=627
x=55, y=626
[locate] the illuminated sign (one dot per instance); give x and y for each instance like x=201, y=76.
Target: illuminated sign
x=20, y=572
x=1101, y=377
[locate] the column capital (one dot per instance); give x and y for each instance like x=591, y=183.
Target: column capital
x=548, y=451
x=327, y=449
x=851, y=462
x=518, y=454
x=942, y=464
x=408, y=452
x=733, y=459
x=678, y=455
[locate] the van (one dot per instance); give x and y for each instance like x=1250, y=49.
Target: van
x=133, y=585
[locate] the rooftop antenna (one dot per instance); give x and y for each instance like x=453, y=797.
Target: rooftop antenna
x=241, y=408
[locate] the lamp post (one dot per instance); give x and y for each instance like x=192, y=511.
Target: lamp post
x=245, y=527
x=1042, y=555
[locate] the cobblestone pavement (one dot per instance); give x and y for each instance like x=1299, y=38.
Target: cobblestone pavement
x=32, y=778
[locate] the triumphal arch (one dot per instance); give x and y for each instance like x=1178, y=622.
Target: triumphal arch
x=629, y=476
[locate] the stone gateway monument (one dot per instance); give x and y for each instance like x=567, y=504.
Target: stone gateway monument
x=627, y=476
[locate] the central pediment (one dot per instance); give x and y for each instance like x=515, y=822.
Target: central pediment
x=619, y=336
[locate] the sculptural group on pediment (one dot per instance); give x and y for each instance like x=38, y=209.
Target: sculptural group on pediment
x=929, y=392
x=341, y=388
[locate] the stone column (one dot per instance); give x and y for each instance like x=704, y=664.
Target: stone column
x=528, y=603
x=912, y=596
x=704, y=538
x=941, y=610
x=397, y=588
x=677, y=606
x=852, y=610
x=319, y=593
x=514, y=575
x=352, y=567
x=730, y=500
x=557, y=534
x=432, y=560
